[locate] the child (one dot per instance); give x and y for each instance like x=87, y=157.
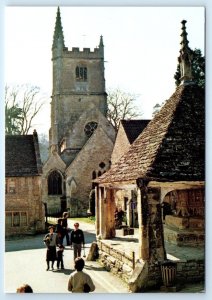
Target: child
x=60, y=256
x=79, y=281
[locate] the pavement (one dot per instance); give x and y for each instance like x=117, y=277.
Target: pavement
x=24, y=262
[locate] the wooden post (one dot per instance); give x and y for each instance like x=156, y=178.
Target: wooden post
x=133, y=259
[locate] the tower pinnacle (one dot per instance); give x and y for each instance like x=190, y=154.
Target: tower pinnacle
x=58, y=38
x=185, y=58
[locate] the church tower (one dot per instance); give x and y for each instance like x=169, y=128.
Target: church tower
x=81, y=138
x=78, y=83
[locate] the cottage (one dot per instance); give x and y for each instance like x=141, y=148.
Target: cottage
x=23, y=205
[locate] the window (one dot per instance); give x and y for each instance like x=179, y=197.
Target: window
x=8, y=219
x=16, y=219
x=55, y=183
x=81, y=73
x=23, y=218
x=10, y=186
x=90, y=128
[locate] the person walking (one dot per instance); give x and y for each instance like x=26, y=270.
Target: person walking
x=59, y=231
x=77, y=240
x=64, y=224
x=79, y=281
x=51, y=242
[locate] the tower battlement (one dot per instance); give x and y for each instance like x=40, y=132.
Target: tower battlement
x=75, y=52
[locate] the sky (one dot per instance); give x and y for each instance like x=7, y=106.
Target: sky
x=141, y=47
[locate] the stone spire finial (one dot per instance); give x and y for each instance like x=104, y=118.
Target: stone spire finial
x=58, y=38
x=101, y=41
x=185, y=58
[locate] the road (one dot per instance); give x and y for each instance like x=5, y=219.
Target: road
x=25, y=263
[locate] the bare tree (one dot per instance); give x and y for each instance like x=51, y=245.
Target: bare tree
x=121, y=107
x=22, y=104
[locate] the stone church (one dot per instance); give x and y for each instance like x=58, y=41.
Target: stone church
x=81, y=139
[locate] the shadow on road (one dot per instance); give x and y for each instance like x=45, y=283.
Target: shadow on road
x=64, y=271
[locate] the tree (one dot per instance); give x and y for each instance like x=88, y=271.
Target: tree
x=198, y=69
x=43, y=146
x=121, y=106
x=22, y=104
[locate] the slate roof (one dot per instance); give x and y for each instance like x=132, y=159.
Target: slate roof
x=171, y=147
x=133, y=128
x=22, y=156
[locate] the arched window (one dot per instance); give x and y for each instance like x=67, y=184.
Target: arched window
x=81, y=73
x=54, y=183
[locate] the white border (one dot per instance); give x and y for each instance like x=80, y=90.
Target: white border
x=208, y=6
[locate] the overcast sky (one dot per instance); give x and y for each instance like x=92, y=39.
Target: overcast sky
x=141, y=47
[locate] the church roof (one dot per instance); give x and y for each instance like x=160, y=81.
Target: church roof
x=133, y=128
x=171, y=147
x=22, y=155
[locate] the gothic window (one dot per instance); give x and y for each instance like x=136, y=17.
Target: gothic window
x=54, y=183
x=81, y=73
x=94, y=175
x=90, y=128
x=99, y=173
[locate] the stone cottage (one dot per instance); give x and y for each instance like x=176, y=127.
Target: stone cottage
x=166, y=163
x=24, y=211
x=80, y=138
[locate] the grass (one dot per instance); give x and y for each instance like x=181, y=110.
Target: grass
x=90, y=220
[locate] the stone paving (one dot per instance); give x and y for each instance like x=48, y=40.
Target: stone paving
x=129, y=243
x=109, y=283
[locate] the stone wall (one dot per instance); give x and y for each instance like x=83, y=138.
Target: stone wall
x=121, y=145
x=98, y=150
x=23, y=206
x=189, y=271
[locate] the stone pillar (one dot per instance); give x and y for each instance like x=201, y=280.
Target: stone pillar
x=102, y=212
x=143, y=226
x=110, y=209
x=151, y=236
x=156, y=231
x=97, y=209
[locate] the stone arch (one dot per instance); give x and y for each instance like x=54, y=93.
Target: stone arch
x=72, y=186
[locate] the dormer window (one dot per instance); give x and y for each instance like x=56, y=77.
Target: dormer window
x=81, y=73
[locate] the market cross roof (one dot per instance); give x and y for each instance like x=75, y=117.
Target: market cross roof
x=171, y=147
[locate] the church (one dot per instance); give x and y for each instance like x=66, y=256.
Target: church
x=81, y=139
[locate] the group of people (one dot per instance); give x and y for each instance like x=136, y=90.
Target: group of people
x=79, y=281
